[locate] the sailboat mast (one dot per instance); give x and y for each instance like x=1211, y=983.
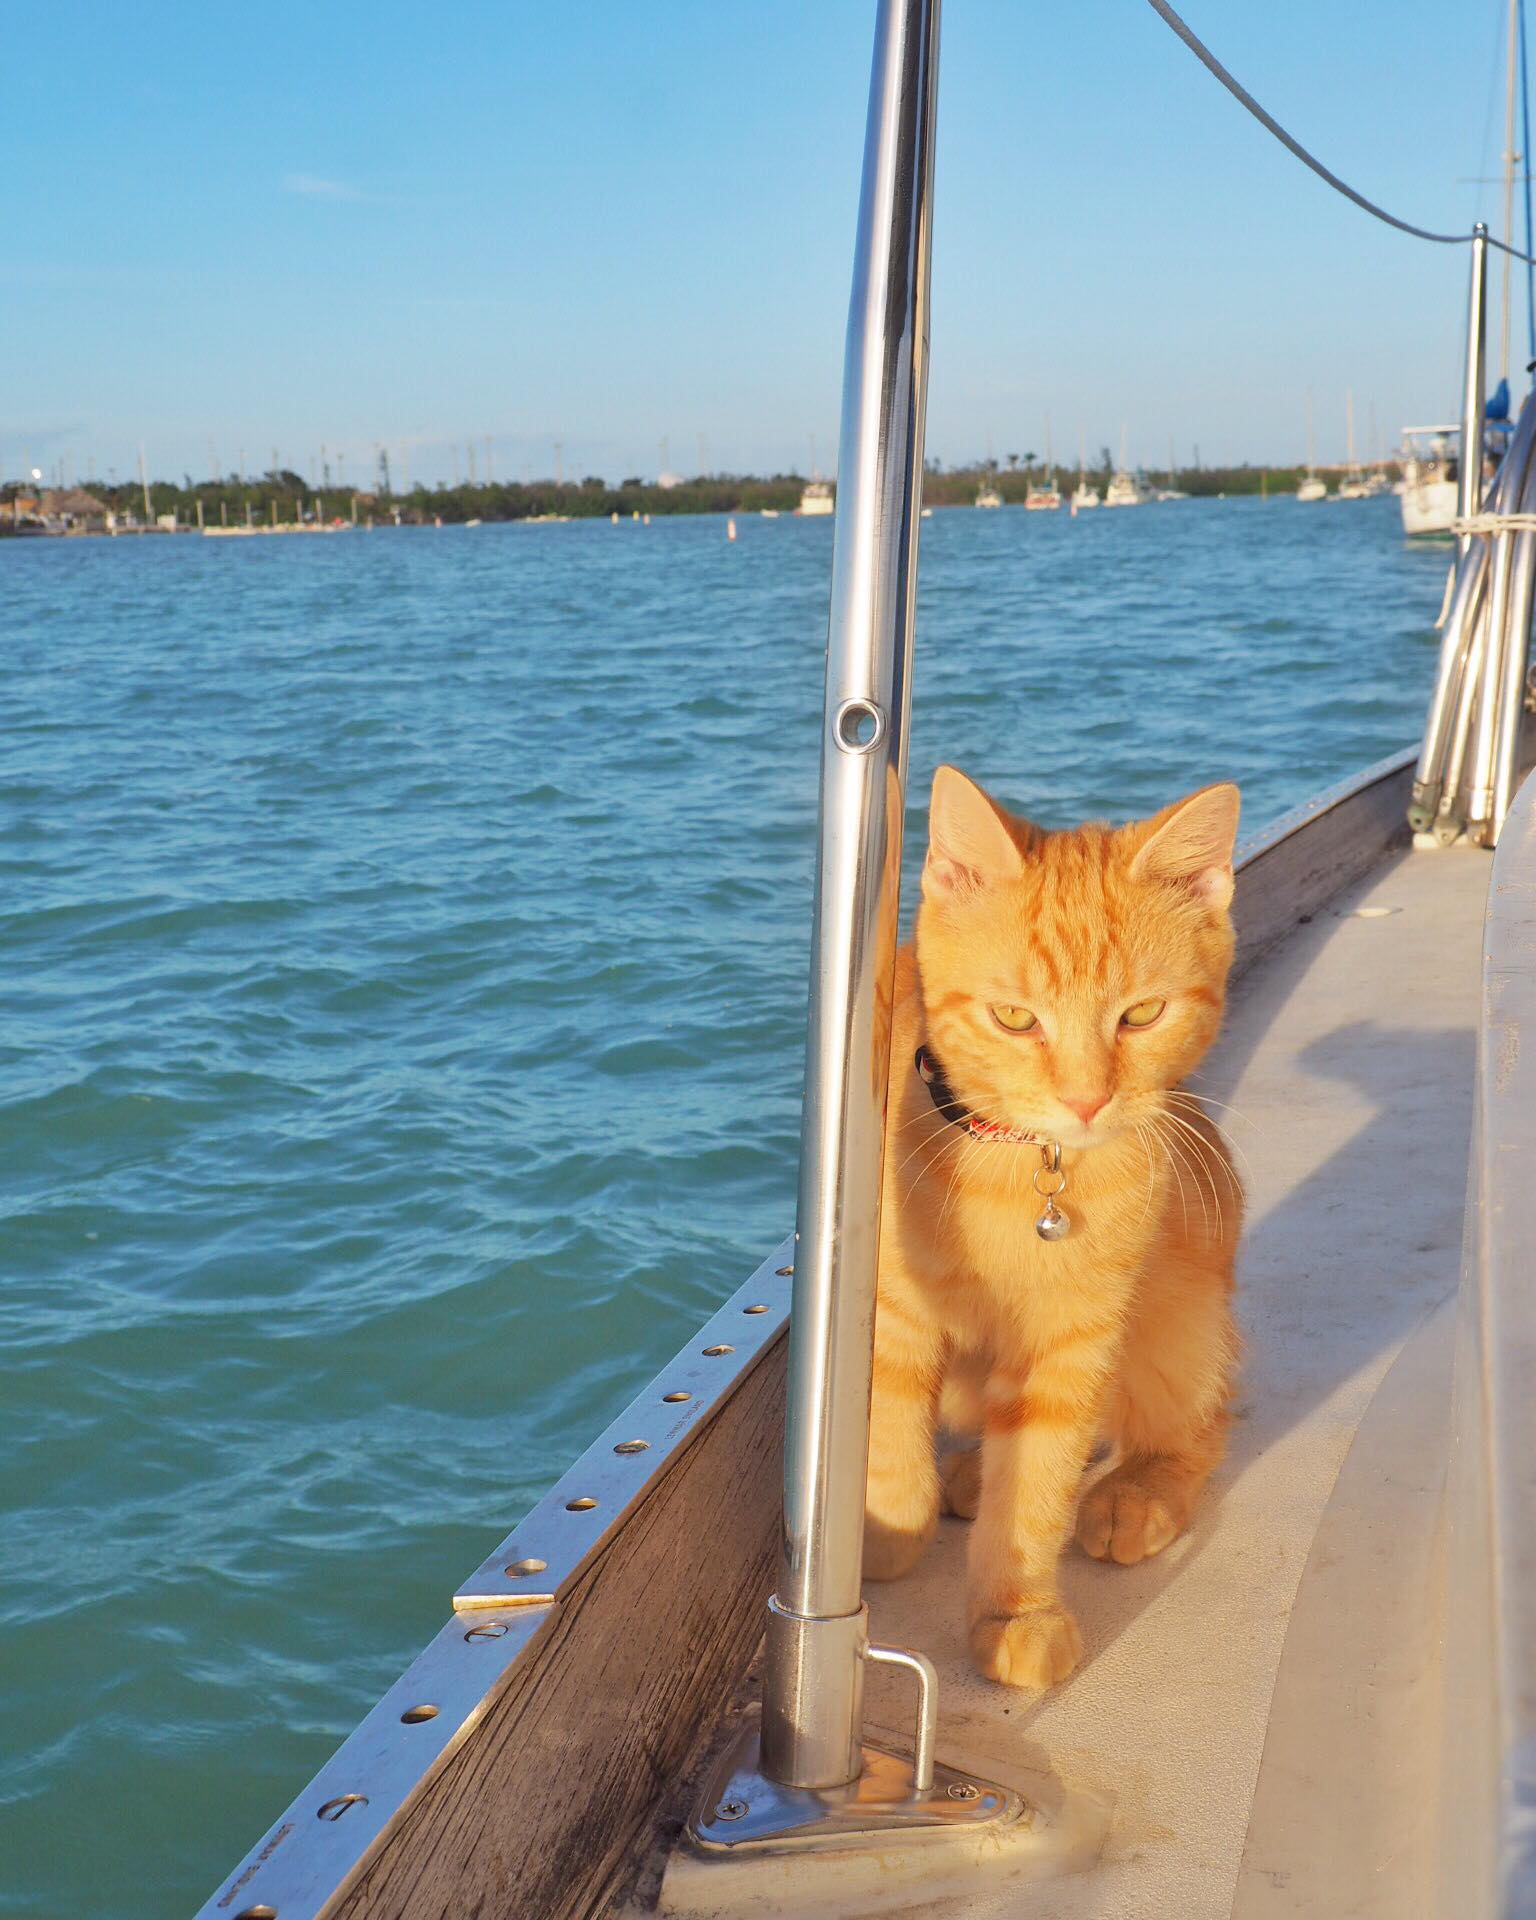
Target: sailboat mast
x=1511, y=61
x=1349, y=424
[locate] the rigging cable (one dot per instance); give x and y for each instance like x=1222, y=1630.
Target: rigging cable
x=1241, y=94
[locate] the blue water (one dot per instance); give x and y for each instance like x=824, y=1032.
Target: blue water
x=401, y=1015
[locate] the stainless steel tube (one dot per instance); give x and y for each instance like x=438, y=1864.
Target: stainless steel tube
x=1474, y=385
x=1461, y=616
x=1508, y=497
x=1427, y=780
x=1451, y=816
x=1428, y=789
x=812, y=1696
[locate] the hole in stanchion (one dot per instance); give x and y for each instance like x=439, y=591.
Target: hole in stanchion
x=257, y=1913
x=334, y=1809
x=492, y=1630
x=711, y=1353
x=413, y=1716
x=761, y=1307
x=632, y=1446
x=584, y=1504
x=859, y=726
x=519, y=1568
x=784, y=1272
x=674, y=1397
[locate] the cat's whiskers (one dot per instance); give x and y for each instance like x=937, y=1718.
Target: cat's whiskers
x=954, y=1179
x=927, y=1167
x=940, y=1133
x=1193, y=1166
x=1235, y=1145
x=1207, y=1154
x=1173, y=1168
x=1211, y=1100
x=1139, y=1127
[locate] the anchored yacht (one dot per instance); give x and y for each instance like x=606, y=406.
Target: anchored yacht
x=1431, y=478
x=816, y=500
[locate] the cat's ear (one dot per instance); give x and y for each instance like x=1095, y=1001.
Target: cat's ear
x=1190, y=844
x=968, y=845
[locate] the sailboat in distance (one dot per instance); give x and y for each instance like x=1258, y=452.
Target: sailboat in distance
x=1084, y=496
x=1352, y=486
x=1123, y=490
x=1044, y=496
x=1312, y=488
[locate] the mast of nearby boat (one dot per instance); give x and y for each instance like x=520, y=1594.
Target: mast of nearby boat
x=1474, y=386
x=1511, y=61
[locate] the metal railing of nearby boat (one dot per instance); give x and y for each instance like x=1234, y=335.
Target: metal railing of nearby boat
x=1468, y=762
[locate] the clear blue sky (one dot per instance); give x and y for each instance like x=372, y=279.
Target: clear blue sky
x=351, y=223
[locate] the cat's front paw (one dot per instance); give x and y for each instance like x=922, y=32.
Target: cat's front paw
x=960, y=1476
x=1034, y=1649
x=889, y=1551
x=1123, y=1521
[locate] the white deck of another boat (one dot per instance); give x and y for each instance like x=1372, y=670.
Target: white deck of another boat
x=1233, y=1689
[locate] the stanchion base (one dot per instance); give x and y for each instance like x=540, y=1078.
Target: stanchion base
x=877, y=1846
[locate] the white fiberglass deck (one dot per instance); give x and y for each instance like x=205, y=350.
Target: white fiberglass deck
x=1349, y=1054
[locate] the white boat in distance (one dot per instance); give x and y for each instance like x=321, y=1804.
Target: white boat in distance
x=988, y=496
x=1431, y=479
x=1123, y=491
x=1084, y=496
x=1353, y=486
x=1312, y=488
x=816, y=500
x=1045, y=496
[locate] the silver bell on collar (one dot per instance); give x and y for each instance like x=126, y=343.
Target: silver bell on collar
x=1049, y=1181
x=1053, y=1224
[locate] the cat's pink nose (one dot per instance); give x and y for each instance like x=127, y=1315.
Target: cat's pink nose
x=1085, y=1105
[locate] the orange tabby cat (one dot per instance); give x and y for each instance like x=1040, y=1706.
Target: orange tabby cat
x=1060, y=987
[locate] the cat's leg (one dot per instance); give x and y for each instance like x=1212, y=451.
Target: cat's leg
x=1167, y=1410
x=960, y=1408
x=1037, y=1430
x=901, y=1501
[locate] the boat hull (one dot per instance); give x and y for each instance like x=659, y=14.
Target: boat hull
x=1428, y=506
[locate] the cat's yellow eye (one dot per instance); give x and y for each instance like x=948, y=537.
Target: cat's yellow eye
x=1143, y=1013
x=1015, y=1019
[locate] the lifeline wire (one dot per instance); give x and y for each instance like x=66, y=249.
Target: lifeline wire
x=1241, y=94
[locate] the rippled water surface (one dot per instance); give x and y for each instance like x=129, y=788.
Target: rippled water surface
x=402, y=1008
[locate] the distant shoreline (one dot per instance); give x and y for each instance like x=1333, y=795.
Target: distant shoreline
x=286, y=502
